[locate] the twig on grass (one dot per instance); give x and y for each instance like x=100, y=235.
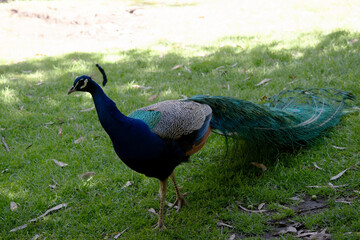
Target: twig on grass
x=5, y=145
x=41, y=216
x=121, y=233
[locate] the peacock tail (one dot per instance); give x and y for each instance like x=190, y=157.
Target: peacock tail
x=291, y=118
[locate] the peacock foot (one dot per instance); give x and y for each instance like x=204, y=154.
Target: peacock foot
x=180, y=201
x=159, y=226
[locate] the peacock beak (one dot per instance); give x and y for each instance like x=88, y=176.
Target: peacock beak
x=72, y=89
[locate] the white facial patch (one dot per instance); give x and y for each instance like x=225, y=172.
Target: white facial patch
x=85, y=83
x=76, y=85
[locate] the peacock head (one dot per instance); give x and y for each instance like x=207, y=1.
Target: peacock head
x=82, y=84
x=85, y=83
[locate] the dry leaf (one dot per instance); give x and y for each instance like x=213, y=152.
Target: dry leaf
x=87, y=175
x=79, y=140
x=5, y=145
x=13, y=206
x=61, y=164
x=18, y=228
x=177, y=66
x=218, y=68
x=322, y=235
x=316, y=186
x=337, y=186
x=259, y=165
x=342, y=201
x=251, y=211
x=171, y=205
x=39, y=83
x=263, y=82
x=296, y=199
x=5, y=170
x=127, y=184
x=232, y=237
x=60, y=132
x=316, y=166
x=121, y=233
x=26, y=71
x=37, y=236
x=41, y=216
x=261, y=205
x=315, y=235
x=289, y=229
x=340, y=148
x=153, y=97
x=221, y=224
x=151, y=210
x=339, y=175
x=329, y=185
x=49, y=211
x=21, y=107
x=87, y=109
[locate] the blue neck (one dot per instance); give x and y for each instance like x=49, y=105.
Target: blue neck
x=133, y=141
x=105, y=108
x=131, y=138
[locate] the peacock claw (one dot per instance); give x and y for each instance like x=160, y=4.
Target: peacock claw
x=179, y=202
x=159, y=226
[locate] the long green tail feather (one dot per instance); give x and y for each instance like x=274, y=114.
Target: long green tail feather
x=293, y=117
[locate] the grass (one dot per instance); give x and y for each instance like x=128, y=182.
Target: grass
x=34, y=107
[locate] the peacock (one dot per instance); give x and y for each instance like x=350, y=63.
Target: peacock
x=154, y=140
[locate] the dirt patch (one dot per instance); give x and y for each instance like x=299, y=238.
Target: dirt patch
x=287, y=225
x=310, y=206
x=41, y=28
x=306, y=206
x=38, y=28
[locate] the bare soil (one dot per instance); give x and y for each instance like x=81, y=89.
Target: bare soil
x=38, y=28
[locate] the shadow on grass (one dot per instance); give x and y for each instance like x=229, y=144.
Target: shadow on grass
x=33, y=93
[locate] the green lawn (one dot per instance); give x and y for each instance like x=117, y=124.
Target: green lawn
x=35, y=108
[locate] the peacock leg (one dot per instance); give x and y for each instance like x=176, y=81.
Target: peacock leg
x=180, y=200
x=163, y=187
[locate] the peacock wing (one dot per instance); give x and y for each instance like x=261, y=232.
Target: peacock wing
x=173, y=119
